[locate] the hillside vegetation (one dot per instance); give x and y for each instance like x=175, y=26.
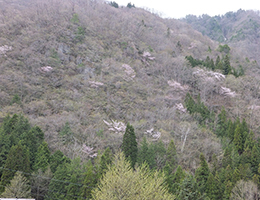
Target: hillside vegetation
x=81, y=71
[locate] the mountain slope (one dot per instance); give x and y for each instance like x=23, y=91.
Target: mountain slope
x=89, y=68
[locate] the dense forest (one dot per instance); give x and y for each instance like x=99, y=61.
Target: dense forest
x=101, y=101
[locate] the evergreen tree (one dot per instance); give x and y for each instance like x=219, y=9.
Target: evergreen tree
x=40, y=183
x=226, y=66
x=228, y=189
x=221, y=128
x=106, y=159
x=17, y=160
x=189, y=190
x=211, y=189
x=89, y=182
x=238, y=140
x=146, y=154
x=42, y=157
x=33, y=139
x=236, y=176
x=202, y=173
x=255, y=160
x=19, y=187
x=190, y=103
x=56, y=159
x=171, y=155
x=160, y=151
x=245, y=171
x=174, y=180
x=227, y=158
x=217, y=61
x=129, y=145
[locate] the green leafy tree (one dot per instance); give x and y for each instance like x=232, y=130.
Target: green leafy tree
x=174, y=180
x=19, y=187
x=129, y=145
x=171, y=155
x=236, y=176
x=122, y=182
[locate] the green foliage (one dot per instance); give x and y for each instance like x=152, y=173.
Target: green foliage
x=42, y=157
x=122, y=182
x=224, y=48
x=56, y=159
x=16, y=99
x=129, y=5
x=226, y=66
x=202, y=173
x=171, y=156
x=19, y=187
x=221, y=127
x=189, y=189
x=75, y=18
x=17, y=160
x=89, y=182
x=129, y=145
x=66, y=134
x=105, y=161
x=146, y=154
x=114, y=4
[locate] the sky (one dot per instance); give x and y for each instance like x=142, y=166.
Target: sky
x=181, y=8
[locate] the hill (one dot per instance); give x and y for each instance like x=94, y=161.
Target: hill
x=82, y=69
x=238, y=29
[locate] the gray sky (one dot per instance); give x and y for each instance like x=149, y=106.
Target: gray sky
x=181, y=8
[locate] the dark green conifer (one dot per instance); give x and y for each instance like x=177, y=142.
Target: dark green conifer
x=211, y=189
x=42, y=157
x=226, y=66
x=202, y=173
x=221, y=128
x=17, y=160
x=129, y=145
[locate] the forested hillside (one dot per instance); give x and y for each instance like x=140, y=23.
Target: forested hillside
x=239, y=29
x=98, y=98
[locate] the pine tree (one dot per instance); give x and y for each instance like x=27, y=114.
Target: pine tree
x=106, y=159
x=190, y=103
x=226, y=66
x=171, y=155
x=221, y=128
x=217, y=61
x=57, y=159
x=189, y=190
x=236, y=176
x=211, y=189
x=19, y=187
x=202, y=173
x=227, y=158
x=238, y=140
x=129, y=145
x=40, y=183
x=42, y=157
x=89, y=182
x=146, y=154
x=175, y=180
x=17, y=159
x=228, y=189
x=255, y=160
